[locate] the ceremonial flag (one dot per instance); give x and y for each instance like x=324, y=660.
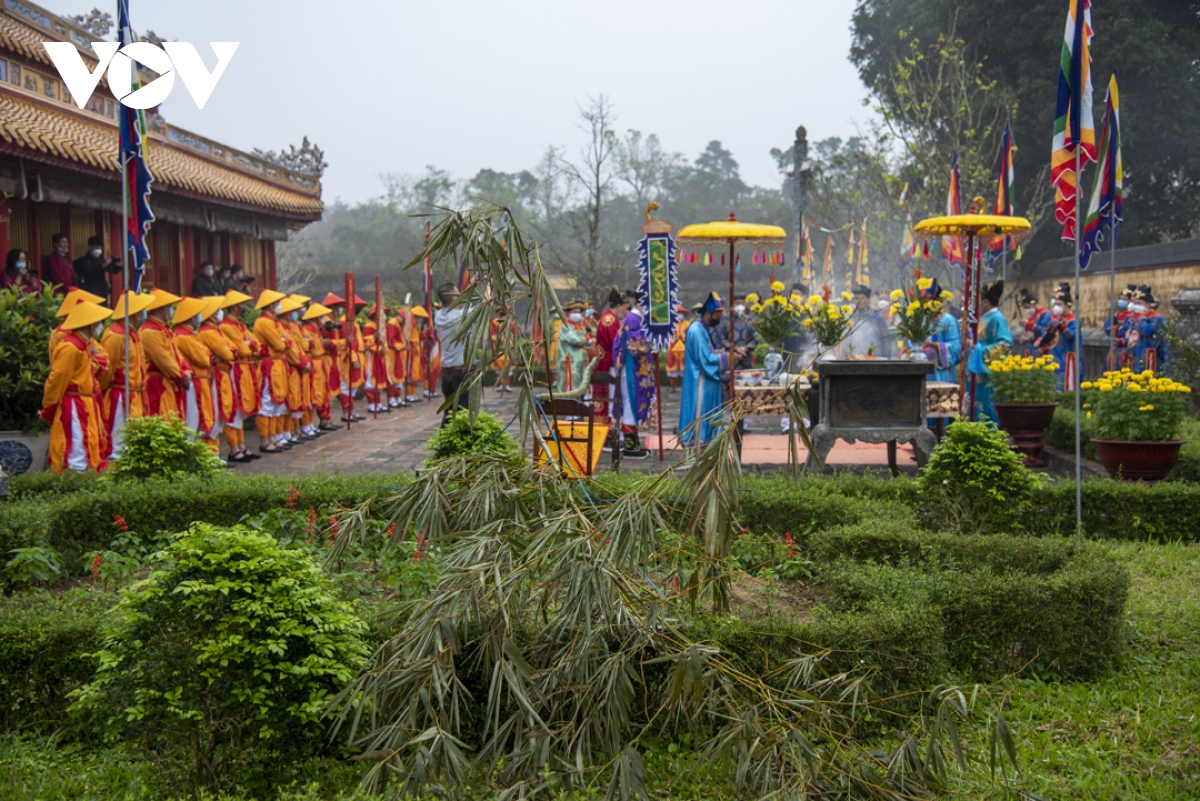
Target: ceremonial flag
x=1104, y=210
x=1004, y=205
x=864, y=270
x=952, y=249
x=135, y=170
x=850, y=260
x=827, y=263
x=1074, y=129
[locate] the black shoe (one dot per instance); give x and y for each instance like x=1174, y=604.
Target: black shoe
x=358, y=418
x=635, y=453
x=251, y=456
x=327, y=427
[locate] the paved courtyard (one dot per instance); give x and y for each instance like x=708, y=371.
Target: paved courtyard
x=395, y=442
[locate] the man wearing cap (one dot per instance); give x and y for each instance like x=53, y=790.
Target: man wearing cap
x=69, y=302
x=448, y=322
x=117, y=408
x=678, y=346
x=198, y=395
x=1037, y=318
x=316, y=328
x=272, y=417
x=868, y=327
x=1117, y=328
x=704, y=369
x=573, y=343
x=1147, y=332
x=92, y=270
x=744, y=335
x=246, y=378
x=167, y=373
x=300, y=414
x=226, y=405
x=69, y=400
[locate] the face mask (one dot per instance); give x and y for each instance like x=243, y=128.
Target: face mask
x=97, y=330
x=276, y=309
x=1122, y=304
x=588, y=313
x=740, y=309
x=96, y=252
x=1137, y=308
x=295, y=316
x=713, y=322
x=196, y=320
x=1058, y=310
x=1029, y=312
x=882, y=304
x=208, y=273
x=575, y=317
x=220, y=315
x=21, y=265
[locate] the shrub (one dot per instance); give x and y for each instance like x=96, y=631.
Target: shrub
x=460, y=438
x=234, y=644
x=1135, y=407
x=25, y=325
x=975, y=482
x=32, y=565
x=157, y=447
x=45, y=647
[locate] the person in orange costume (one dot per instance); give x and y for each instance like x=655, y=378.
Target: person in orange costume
x=319, y=335
x=69, y=402
x=73, y=297
x=500, y=362
x=335, y=347
x=351, y=356
x=117, y=408
x=224, y=392
x=197, y=396
x=167, y=373
x=300, y=425
x=244, y=378
x=397, y=360
x=676, y=350
x=433, y=358
x=418, y=332
x=377, y=372
x=276, y=359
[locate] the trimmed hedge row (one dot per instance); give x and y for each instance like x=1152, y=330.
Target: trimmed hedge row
x=1003, y=601
x=81, y=518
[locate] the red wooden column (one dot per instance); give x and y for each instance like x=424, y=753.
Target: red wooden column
x=5, y=238
x=187, y=245
x=236, y=257
x=271, y=277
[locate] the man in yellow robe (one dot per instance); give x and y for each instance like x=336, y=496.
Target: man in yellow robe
x=167, y=373
x=69, y=302
x=277, y=357
x=69, y=401
x=117, y=408
x=198, y=395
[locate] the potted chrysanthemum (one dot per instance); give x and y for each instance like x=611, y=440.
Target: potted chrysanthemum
x=1024, y=400
x=1133, y=419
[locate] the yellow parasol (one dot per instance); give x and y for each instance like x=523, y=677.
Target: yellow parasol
x=973, y=226
x=736, y=234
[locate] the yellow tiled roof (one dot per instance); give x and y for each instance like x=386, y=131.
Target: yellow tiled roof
x=27, y=41
x=93, y=142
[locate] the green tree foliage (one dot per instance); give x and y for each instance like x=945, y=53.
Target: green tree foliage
x=25, y=325
x=461, y=437
x=232, y=645
x=1018, y=43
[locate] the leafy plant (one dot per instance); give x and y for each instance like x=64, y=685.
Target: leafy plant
x=1023, y=379
x=975, y=483
x=235, y=644
x=776, y=319
x=826, y=319
x=916, y=317
x=32, y=565
x=158, y=447
x=462, y=436
x=25, y=325
x=1135, y=407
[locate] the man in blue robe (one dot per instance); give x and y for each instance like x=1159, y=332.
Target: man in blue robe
x=995, y=340
x=704, y=369
x=944, y=346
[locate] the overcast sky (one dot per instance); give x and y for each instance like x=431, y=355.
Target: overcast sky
x=391, y=86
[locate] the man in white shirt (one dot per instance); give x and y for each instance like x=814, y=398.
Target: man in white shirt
x=447, y=321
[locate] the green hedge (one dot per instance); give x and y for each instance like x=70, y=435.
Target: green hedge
x=80, y=520
x=44, y=647
x=1003, y=601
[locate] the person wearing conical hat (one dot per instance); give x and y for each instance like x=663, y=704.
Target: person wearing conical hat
x=994, y=342
x=246, y=378
x=376, y=380
x=70, y=401
x=300, y=425
x=351, y=354
x=396, y=362
x=500, y=360
x=1147, y=332
x=73, y=297
x=573, y=344
x=167, y=373
x=197, y=404
x=676, y=350
x=418, y=335
x=432, y=356
x=272, y=418
x=226, y=405
x=317, y=328
x=117, y=408
x=700, y=410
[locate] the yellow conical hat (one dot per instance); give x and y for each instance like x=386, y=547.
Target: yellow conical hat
x=212, y=303
x=75, y=296
x=267, y=297
x=137, y=304
x=233, y=298
x=187, y=309
x=161, y=298
x=317, y=310
x=85, y=314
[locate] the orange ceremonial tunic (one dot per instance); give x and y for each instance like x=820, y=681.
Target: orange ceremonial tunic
x=225, y=400
x=70, y=402
x=200, y=392
x=245, y=365
x=165, y=369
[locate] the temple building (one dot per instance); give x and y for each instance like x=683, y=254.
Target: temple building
x=59, y=171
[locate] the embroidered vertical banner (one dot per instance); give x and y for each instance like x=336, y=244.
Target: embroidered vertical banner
x=659, y=283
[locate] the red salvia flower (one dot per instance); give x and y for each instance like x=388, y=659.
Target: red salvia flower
x=293, y=498
x=119, y=523
x=97, y=560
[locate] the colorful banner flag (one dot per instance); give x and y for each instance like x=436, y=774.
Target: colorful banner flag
x=135, y=169
x=658, y=284
x=827, y=263
x=1004, y=204
x=952, y=249
x=1074, y=128
x=850, y=260
x=1104, y=209
x=863, y=274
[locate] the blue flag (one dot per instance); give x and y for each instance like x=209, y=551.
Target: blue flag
x=135, y=171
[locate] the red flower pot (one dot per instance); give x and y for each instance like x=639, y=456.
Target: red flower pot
x=1138, y=461
x=1026, y=423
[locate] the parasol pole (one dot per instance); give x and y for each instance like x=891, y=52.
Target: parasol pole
x=1078, y=355
x=379, y=335
x=975, y=259
x=1112, y=302
x=348, y=331
x=965, y=410
x=732, y=392
x=658, y=404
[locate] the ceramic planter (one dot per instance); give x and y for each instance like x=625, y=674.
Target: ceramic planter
x=23, y=453
x=1138, y=461
x=1026, y=423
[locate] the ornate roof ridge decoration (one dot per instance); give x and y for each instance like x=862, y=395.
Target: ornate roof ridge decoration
x=25, y=37
x=51, y=130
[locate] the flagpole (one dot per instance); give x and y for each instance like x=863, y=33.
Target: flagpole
x=1112, y=291
x=1078, y=354
x=125, y=264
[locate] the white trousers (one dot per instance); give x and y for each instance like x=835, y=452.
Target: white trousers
x=192, y=416
x=118, y=426
x=77, y=460
x=218, y=427
x=268, y=407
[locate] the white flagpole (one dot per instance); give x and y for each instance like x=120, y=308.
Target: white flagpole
x=1078, y=352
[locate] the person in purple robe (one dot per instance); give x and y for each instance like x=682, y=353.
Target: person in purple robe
x=633, y=366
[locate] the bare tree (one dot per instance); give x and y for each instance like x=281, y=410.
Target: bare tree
x=295, y=264
x=643, y=165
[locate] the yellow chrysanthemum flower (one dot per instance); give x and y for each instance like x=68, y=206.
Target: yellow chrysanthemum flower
x=776, y=286
x=1089, y=415
x=924, y=283
x=947, y=295
x=897, y=294
x=847, y=296
x=815, y=299
x=847, y=310
x=1086, y=385
x=913, y=307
